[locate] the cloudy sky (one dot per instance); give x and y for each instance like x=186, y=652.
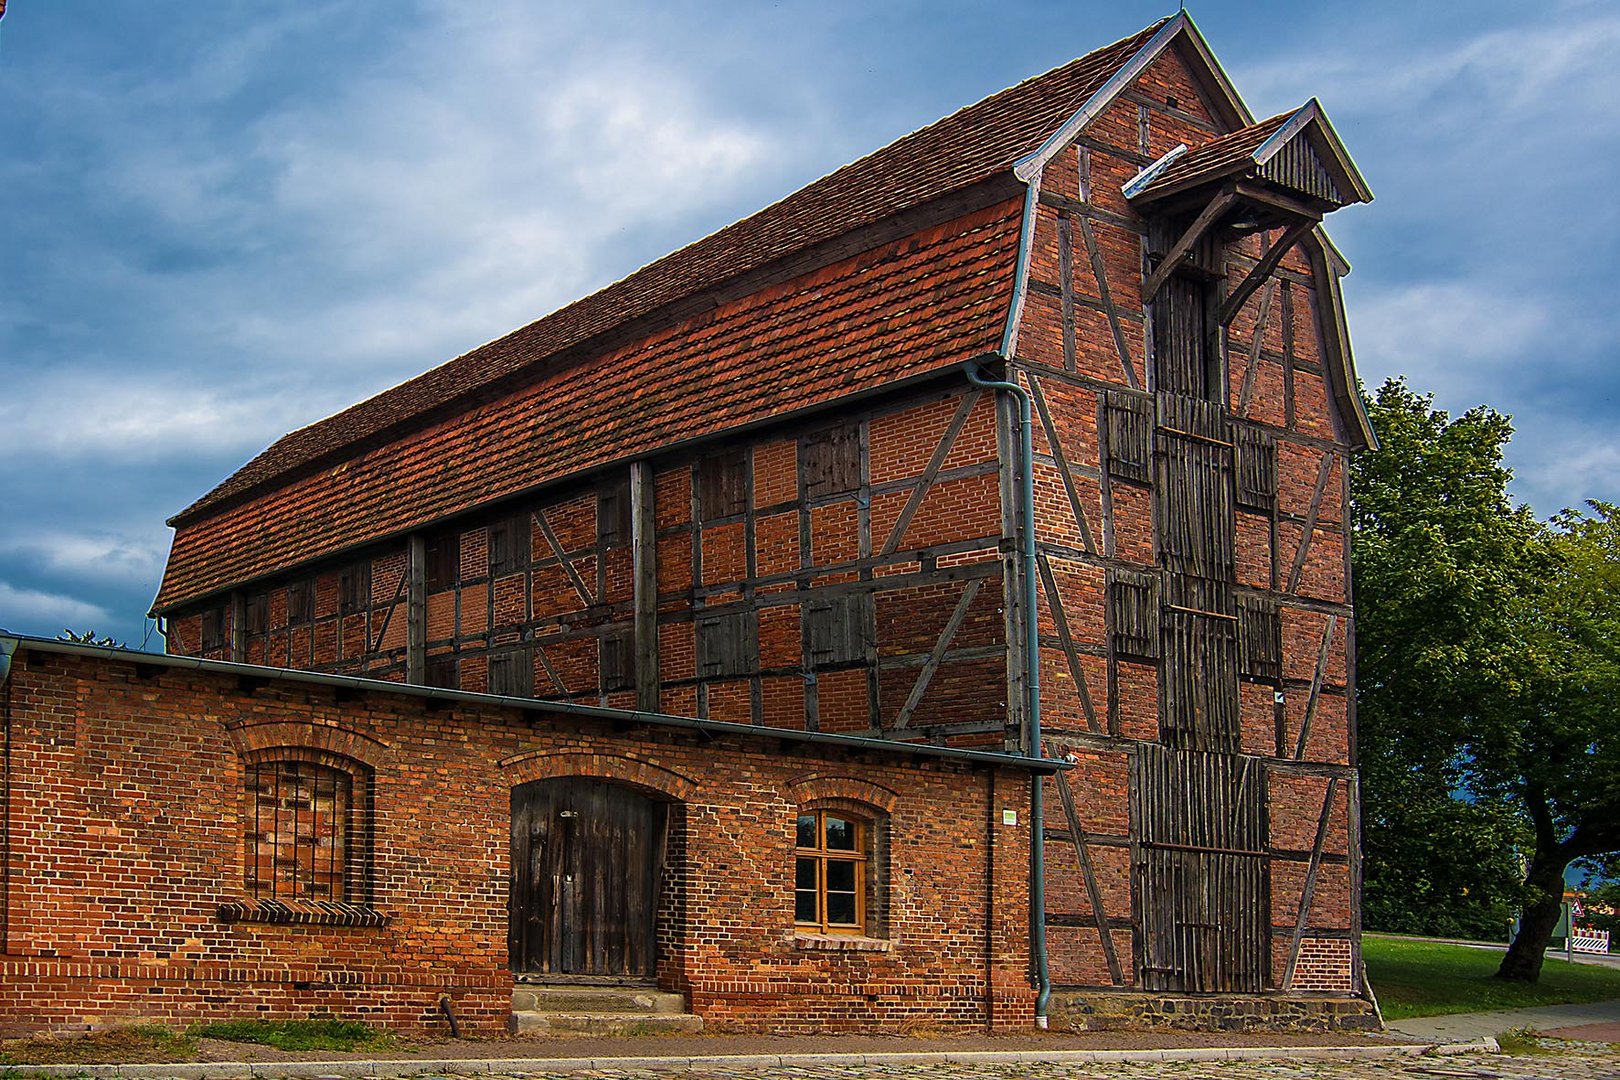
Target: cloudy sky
x=223, y=220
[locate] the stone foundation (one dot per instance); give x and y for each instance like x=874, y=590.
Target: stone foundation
x=1102, y=1010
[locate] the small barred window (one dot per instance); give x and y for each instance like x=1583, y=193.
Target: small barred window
x=306, y=838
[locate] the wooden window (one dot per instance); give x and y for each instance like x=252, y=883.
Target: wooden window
x=1186, y=353
x=1133, y=606
x=1192, y=494
x=1255, y=456
x=306, y=834
x=722, y=484
x=618, y=661
x=839, y=629
x=300, y=602
x=509, y=545
x=213, y=628
x=443, y=672
x=256, y=614
x=443, y=569
x=1202, y=872
x=511, y=673
x=728, y=644
x=830, y=461
x=354, y=588
x=1130, y=436
x=613, y=514
x=1198, y=696
x=1259, y=638
x=830, y=872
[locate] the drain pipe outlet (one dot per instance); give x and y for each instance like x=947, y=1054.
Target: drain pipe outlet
x=1032, y=657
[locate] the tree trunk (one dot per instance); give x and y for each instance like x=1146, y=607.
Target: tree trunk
x=1545, y=881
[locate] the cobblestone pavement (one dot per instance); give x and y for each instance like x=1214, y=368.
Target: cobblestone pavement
x=1568, y=1062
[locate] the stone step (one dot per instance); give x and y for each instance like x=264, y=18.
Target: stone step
x=526, y=1022
x=595, y=999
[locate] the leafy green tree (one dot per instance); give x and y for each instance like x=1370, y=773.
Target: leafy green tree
x=1441, y=560
x=1489, y=675
x=1555, y=749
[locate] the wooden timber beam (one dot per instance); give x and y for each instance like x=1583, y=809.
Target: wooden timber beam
x=1219, y=205
x=644, y=544
x=416, y=610
x=1276, y=200
x=1261, y=271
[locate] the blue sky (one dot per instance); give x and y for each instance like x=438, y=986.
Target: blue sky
x=224, y=220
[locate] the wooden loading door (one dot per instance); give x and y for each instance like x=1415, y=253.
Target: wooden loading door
x=586, y=859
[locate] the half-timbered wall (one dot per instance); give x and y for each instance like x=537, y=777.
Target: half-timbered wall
x=1193, y=609
x=841, y=575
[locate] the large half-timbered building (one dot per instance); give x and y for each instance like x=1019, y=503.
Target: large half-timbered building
x=776, y=487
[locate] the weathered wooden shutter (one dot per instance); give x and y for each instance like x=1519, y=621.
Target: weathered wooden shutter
x=831, y=461
x=1255, y=451
x=443, y=672
x=618, y=660
x=613, y=514
x=1130, y=435
x=722, y=484
x=256, y=613
x=1133, y=608
x=1193, y=489
x=1201, y=873
x=728, y=644
x=443, y=560
x=354, y=588
x=1259, y=639
x=509, y=545
x=213, y=628
x=1199, y=708
x=300, y=602
x=839, y=629
x=511, y=673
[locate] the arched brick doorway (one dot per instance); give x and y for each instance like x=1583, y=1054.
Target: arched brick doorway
x=587, y=857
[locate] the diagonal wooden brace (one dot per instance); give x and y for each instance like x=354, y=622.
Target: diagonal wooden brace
x=1262, y=270
x=1178, y=251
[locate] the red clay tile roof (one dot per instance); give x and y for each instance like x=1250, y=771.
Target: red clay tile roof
x=1220, y=156
x=401, y=459
x=966, y=147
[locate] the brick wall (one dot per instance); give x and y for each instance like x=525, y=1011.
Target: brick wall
x=126, y=837
x=1084, y=341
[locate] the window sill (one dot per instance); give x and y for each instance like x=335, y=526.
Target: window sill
x=814, y=942
x=301, y=913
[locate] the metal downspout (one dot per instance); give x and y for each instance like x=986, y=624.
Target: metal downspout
x=1032, y=657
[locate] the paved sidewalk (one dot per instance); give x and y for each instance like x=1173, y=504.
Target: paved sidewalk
x=1596, y=1022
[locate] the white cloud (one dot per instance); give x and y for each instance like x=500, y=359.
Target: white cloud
x=93, y=556
x=1452, y=337
x=19, y=606
x=138, y=418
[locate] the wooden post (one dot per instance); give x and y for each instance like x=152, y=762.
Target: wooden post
x=644, y=547
x=238, y=626
x=416, y=611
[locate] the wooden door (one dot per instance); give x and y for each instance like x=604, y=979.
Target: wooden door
x=1201, y=871
x=586, y=859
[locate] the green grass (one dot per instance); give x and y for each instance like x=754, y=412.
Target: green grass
x=1422, y=978
x=326, y=1034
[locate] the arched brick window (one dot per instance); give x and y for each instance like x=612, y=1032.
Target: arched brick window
x=307, y=827
x=839, y=873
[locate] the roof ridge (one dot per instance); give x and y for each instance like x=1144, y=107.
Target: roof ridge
x=872, y=188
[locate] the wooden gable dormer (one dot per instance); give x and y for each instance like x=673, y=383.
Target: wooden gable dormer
x=1284, y=173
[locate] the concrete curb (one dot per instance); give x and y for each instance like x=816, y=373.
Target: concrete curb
x=349, y=1070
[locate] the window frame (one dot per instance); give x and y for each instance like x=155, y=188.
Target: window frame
x=860, y=856
x=354, y=880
